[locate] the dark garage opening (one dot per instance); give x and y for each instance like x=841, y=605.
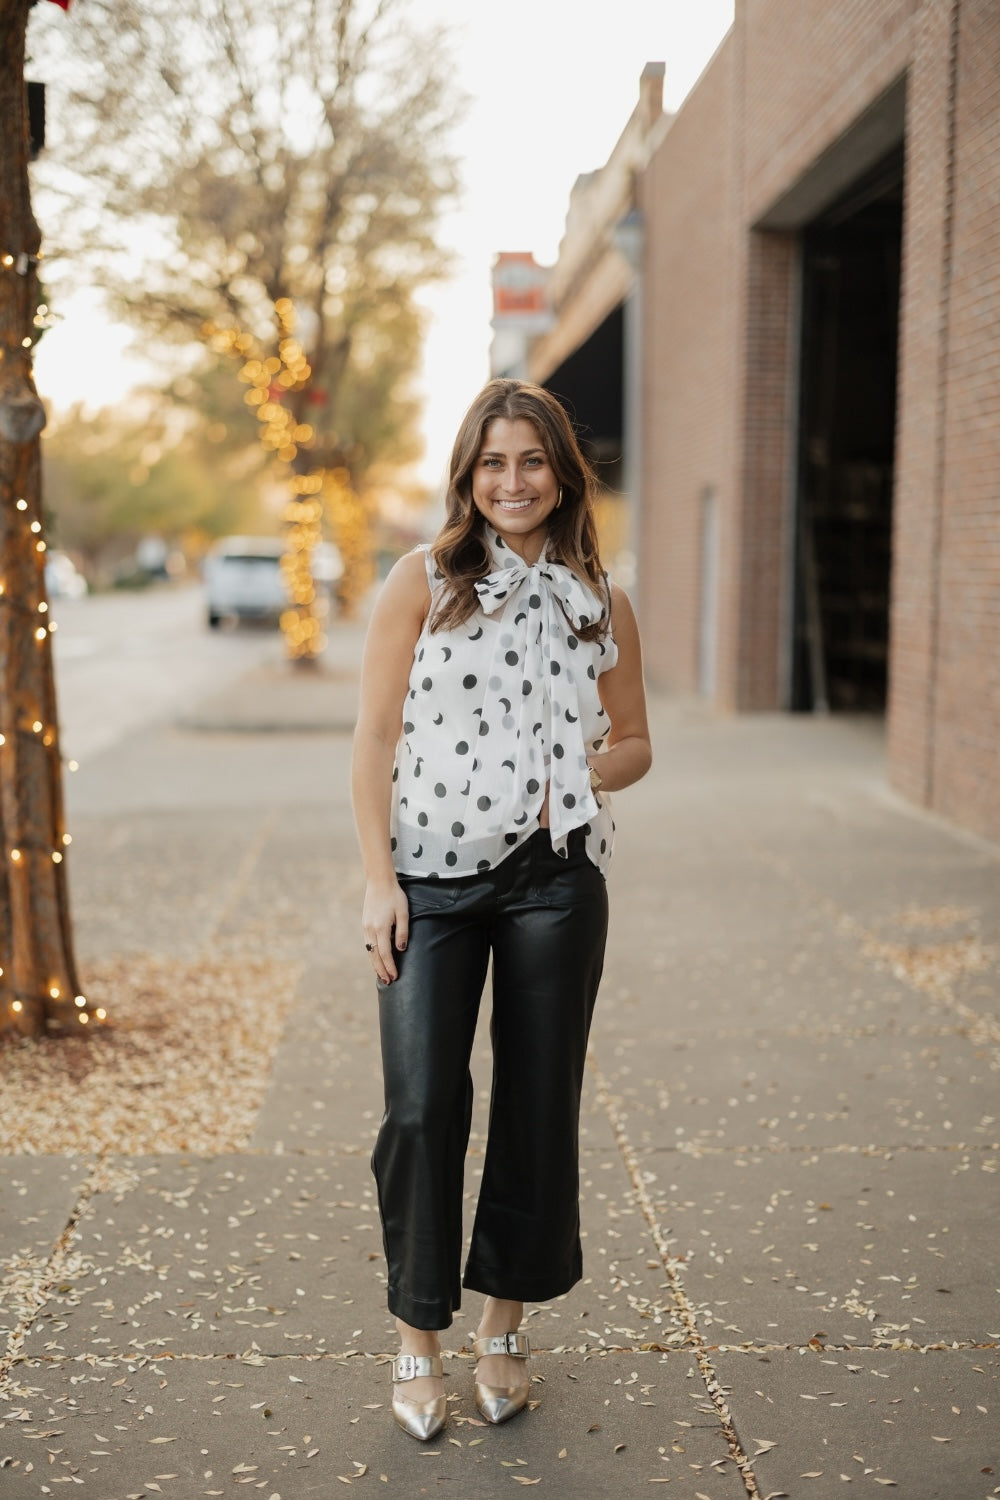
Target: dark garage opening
x=850, y=323
x=589, y=385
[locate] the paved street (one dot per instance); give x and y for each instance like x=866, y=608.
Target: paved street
x=126, y=659
x=791, y=1138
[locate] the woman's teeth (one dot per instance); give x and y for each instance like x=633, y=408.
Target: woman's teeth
x=515, y=504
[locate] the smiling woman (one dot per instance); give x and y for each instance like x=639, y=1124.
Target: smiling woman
x=501, y=700
x=516, y=464
x=514, y=487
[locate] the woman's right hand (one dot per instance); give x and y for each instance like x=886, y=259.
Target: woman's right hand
x=385, y=920
x=397, y=620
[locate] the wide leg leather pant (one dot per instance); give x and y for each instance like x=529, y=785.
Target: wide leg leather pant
x=544, y=919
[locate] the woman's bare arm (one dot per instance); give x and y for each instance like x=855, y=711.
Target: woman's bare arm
x=396, y=623
x=623, y=696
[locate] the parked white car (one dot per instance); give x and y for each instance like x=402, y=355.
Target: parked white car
x=244, y=580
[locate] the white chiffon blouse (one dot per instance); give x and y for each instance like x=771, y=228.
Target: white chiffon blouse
x=497, y=708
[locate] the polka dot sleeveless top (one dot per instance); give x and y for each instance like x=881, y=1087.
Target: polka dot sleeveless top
x=496, y=708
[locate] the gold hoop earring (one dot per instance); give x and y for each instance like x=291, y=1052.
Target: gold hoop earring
x=559, y=500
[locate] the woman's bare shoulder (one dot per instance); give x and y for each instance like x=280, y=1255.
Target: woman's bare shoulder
x=406, y=582
x=624, y=626
x=621, y=604
x=399, y=612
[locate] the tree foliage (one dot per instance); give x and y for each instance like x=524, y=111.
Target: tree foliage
x=243, y=155
x=175, y=463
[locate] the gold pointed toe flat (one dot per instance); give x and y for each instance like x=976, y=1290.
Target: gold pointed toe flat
x=498, y=1403
x=421, y=1419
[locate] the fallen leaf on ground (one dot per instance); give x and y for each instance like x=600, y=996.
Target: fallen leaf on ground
x=151, y=1080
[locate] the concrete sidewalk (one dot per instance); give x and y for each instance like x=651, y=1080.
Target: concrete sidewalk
x=790, y=1145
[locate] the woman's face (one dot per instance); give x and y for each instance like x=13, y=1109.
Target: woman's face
x=513, y=485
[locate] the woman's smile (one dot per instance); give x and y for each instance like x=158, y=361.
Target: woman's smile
x=514, y=485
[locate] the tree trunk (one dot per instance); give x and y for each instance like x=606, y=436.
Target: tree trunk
x=39, y=992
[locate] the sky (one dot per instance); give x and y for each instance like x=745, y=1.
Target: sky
x=551, y=84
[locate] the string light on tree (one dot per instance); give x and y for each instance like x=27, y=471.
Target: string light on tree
x=352, y=521
x=19, y=265
x=270, y=379
x=24, y=732
x=38, y=981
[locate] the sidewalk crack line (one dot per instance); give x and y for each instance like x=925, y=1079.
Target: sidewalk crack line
x=46, y=1275
x=685, y=1312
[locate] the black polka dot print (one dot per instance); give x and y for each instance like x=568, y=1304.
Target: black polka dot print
x=519, y=684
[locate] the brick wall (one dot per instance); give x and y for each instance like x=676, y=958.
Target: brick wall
x=689, y=361
x=759, y=618
x=919, y=437
x=810, y=67
x=944, y=711
x=964, y=772
x=721, y=357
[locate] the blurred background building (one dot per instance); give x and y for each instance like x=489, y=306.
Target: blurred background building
x=774, y=318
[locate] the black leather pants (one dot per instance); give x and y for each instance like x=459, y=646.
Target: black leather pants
x=544, y=919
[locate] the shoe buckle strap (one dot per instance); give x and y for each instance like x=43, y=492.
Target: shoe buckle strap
x=410, y=1366
x=505, y=1343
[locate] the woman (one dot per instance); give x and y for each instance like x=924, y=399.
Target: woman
x=501, y=701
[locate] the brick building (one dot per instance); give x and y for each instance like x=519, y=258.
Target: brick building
x=817, y=436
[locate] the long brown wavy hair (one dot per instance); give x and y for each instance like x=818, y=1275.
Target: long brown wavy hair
x=460, y=550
